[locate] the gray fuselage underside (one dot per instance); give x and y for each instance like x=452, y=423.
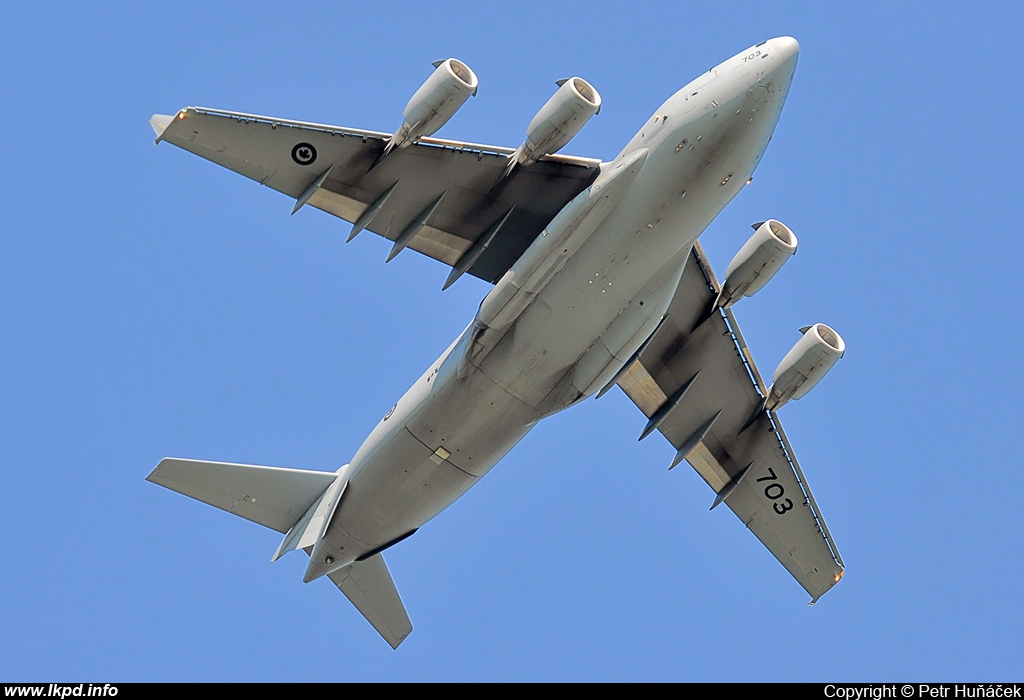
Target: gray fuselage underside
x=461, y=417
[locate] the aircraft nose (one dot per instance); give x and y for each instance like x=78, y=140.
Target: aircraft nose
x=787, y=47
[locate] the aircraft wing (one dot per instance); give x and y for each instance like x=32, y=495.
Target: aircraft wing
x=709, y=377
x=445, y=199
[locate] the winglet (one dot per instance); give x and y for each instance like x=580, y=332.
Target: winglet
x=160, y=122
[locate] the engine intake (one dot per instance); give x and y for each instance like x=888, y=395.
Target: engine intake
x=764, y=254
x=804, y=366
x=559, y=120
x=437, y=101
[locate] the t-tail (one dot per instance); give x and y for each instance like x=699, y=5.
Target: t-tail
x=299, y=504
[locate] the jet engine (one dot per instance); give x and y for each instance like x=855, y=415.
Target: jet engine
x=561, y=118
x=764, y=254
x=437, y=101
x=803, y=367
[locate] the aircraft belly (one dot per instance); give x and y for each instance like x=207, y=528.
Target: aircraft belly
x=413, y=401
x=461, y=418
x=473, y=419
x=450, y=435
x=610, y=289
x=529, y=359
x=634, y=324
x=690, y=170
x=407, y=485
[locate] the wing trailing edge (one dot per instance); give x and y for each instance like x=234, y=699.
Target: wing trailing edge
x=750, y=465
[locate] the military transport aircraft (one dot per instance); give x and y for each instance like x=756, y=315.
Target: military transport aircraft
x=599, y=280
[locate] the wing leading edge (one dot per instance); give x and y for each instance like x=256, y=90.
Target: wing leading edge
x=700, y=388
x=441, y=198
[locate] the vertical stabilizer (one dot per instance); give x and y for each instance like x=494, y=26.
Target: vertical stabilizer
x=312, y=526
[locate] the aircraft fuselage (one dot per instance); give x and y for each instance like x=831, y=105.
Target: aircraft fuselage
x=567, y=316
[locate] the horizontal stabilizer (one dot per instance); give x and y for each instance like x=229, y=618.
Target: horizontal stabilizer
x=271, y=496
x=369, y=586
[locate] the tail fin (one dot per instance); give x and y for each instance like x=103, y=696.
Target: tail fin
x=271, y=496
x=299, y=503
x=369, y=586
x=311, y=527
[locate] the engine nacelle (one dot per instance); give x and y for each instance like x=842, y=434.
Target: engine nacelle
x=561, y=118
x=803, y=367
x=764, y=254
x=437, y=101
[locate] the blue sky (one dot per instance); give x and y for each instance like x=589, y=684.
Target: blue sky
x=152, y=305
